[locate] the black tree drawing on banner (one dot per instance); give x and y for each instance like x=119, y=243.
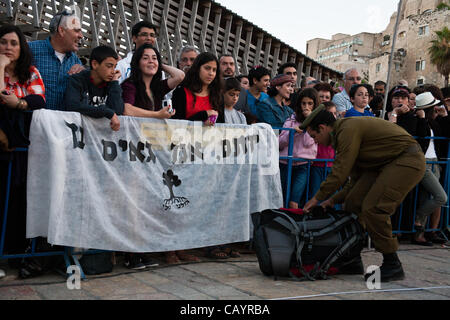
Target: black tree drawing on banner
x=171, y=181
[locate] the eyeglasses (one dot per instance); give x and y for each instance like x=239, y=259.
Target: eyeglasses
x=354, y=79
x=146, y=35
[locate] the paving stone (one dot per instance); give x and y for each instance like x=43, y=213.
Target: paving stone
x=144, y=296
x=150, y=278
x=116, y=286
x=18, y=293
x=182, y=292
x=213, y=287
x=240, y=279
x=61, y=292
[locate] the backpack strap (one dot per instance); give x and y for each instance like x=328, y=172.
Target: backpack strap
x=300, y=242
x=334, y=255
x=319, y=271
x=335, y=225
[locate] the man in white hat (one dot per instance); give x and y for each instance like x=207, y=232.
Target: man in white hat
x=426, y=100
x=432, y=121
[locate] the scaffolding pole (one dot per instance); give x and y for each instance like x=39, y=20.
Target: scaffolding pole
x=394, y=40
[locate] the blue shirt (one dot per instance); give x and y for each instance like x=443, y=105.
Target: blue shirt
x=53, y=72
x=269, y=111
x=353, y=113
x=252, y=102
x=342, y=101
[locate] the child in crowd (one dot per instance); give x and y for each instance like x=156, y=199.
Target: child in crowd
x=199, y=95
x=376, y=105
x=319, y=171
x=144, y=90
x=360, y=96
x=96, y=93
x=232, y=89
x=304, y=147
x=245, y=84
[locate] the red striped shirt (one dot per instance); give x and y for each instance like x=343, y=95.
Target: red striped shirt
x=34, y=85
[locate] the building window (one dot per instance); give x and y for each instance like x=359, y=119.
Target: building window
x=378, y=67
x=424, y=30
x=397, y=66
x=420, y=65
x=420, y=82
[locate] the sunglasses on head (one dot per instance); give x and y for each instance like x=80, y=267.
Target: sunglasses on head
x=66, y=13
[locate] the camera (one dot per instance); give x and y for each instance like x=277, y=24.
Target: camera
x=168, y=103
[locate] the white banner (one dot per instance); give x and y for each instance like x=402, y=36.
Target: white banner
x=153, y=186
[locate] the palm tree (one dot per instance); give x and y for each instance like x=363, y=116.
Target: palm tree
x=440, y=53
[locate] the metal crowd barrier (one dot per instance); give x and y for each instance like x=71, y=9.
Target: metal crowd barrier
x=69, y=253
x=398, y=216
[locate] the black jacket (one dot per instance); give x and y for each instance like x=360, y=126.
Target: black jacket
x=84, y=97
x=421, y=127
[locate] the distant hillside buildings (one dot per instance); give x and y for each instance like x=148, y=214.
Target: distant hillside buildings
x=369, y=52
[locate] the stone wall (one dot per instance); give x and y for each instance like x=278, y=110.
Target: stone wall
x=419, y=21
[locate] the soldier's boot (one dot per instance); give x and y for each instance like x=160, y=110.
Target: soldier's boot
x=390, y=270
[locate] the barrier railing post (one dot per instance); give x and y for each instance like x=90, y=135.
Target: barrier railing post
x=5, y=211
x=447, y=187
x=289, y=167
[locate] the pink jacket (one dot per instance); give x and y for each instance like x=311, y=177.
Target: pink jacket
x=304, y=145
x=324, y=152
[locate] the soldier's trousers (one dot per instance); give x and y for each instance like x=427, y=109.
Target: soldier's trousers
x=377, y=193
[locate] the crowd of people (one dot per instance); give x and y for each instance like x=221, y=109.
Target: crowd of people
x=48, y=74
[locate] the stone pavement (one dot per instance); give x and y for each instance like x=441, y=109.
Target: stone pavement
x=240, y=279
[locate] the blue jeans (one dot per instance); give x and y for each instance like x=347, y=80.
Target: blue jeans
x=299, y=179
x=318, y=175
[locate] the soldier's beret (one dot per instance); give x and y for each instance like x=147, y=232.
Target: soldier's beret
x=311, y=117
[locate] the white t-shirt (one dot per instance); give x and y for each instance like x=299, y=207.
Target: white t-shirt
x=234, y=117
x=124, y=67
x=60, y=56
x=431, y=152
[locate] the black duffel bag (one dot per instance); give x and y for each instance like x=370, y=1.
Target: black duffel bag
x=284, y=242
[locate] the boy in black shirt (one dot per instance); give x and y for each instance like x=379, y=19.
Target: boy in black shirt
x=96, y=93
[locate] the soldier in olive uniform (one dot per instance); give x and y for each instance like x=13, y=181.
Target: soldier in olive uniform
x=377, y=163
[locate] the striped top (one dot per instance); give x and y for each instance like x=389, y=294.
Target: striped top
x=34, y=85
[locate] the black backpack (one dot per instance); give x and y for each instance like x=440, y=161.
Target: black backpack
x=284, y=241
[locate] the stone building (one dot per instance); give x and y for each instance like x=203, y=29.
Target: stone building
x=369, y=52
x=418, y=22
x=344, y=51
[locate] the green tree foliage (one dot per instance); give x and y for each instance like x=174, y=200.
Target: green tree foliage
x=440, y=53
